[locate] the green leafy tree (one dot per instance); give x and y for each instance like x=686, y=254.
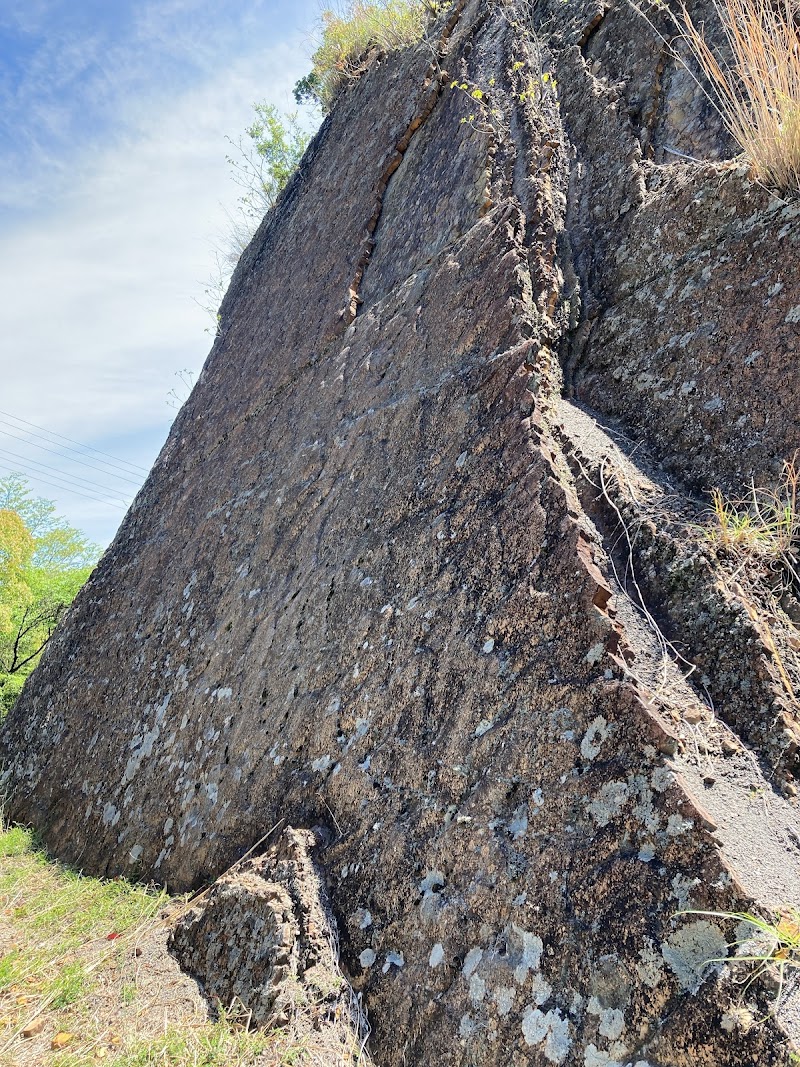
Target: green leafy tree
x=43, y=563
x=265, y=158
x=262, y=161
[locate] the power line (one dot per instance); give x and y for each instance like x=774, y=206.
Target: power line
x=82, y=446
x=117, y=503
x=65, y=488
x=73, y=478
x=133, y=481
x=64, y=448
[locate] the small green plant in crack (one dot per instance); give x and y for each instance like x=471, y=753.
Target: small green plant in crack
x=537, y=87
x=771, y=946
x=764, y=526
x=479, y=119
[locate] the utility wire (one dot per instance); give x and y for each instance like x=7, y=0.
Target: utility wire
x=92, y=486
x=66, y=448
x=82, y=446
x=133, y=481
x=66, y=488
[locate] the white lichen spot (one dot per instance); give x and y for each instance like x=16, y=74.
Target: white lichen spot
x=676, y=824
x=541, y=990
x=612, y=1023
x=393, y=959
x=472, y=961
x=661, y=779
x=110, y=815
x=530, y=956
x=793, y=314
x=593, y=1057
x=477, y=989
x=432, y=880
x=483, y=727
x=504, y=998
x=488, y=645
x=518, y=824
x=549, y=1029
x=467, y=1027
x=594, y=737
x=437, y=955
x=693, y=952
x=595, y=653
x=647, y=852
x=609, y=802
x=322, y=764
x=135, y=854
x=367, y=958
x=651, y=967
x=681, y=888
x=462, y=459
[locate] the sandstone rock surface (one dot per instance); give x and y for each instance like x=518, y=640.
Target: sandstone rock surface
x=387, y=579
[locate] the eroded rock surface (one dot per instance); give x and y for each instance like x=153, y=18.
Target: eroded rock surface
x=381, y=580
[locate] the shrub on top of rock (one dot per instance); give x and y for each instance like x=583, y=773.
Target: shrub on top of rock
x=351, y=34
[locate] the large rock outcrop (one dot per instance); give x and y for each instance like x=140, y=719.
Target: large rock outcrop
x=397, y=573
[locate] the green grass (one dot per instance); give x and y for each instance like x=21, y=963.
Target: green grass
x=56, y=912
x=96, y=994
x=214, y=1045
x=55, y=925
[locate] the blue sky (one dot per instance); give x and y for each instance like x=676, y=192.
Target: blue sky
x=113, y=193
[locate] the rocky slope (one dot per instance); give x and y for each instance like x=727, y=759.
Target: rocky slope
x=419, y=566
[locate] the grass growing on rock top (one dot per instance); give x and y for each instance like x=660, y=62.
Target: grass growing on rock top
x=351, y=32
x=85, y=976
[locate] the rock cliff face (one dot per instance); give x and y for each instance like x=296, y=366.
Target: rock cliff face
x=419, y=565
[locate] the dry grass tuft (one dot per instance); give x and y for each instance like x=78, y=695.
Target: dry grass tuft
x=759, y=90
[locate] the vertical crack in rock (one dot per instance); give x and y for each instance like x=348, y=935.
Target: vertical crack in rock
x=431, y=91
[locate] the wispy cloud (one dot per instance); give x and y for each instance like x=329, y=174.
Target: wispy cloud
x=100, y=274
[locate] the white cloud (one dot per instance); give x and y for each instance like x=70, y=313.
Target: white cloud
x=98, y=282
